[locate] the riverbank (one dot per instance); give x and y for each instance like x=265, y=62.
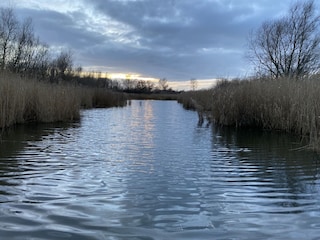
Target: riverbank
x=284, y=104
x=25, y=100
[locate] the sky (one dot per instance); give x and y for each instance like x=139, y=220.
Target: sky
x=174, y=39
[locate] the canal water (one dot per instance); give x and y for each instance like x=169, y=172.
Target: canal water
x=149, y=171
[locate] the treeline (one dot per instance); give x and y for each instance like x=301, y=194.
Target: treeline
x=23, y=53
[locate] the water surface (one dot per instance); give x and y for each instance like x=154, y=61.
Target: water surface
x=148, y=171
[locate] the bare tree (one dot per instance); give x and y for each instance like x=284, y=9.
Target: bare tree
x=22, y=52
x=150, y=86
x=24, y=44
x=8, y=34
x=38, y=60
x=289, y=46
x=193, y=84
x=163, y=84
x=62, y=65
x=128, y=83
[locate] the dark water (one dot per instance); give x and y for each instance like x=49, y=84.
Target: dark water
x=147, y=171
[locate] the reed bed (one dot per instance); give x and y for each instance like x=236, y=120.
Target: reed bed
x=102, y=98
x=198, y=101
x=283, y=104
x=275, y=104
x=25, y=100
x=201, y=97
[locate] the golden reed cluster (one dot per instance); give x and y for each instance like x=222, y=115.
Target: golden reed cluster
x=25, y=100
x=275, y=104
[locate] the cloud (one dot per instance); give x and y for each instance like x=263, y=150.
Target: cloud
x=176, y=39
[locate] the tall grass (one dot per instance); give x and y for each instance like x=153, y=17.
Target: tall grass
x=282, y=104
x=201, y=97
x=198, y=101
x=25, y=100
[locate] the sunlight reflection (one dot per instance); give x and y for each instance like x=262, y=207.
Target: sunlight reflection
x=142, y=137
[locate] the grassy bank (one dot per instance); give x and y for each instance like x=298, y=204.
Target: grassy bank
x=283, y=104
x=25, y=100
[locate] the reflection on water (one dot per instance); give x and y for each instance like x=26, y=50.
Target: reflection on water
x=148, y=171
x=275, y=160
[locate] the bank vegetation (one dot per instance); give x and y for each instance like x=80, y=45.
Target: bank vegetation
x=286, y=105
x=285, y=94
x=24, y=100
x=39, y=83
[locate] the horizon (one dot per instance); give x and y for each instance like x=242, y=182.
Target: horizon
x=175, y=85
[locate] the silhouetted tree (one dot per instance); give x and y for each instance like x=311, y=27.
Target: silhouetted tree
x=194, y=84
x=150, y=86
x=25, y=40
x=62, y=66
x=8, y=34
x=163, y=84
x=289, y=46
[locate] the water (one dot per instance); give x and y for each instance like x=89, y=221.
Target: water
x=148, y=171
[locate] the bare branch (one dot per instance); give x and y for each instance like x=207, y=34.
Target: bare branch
x=289, y=46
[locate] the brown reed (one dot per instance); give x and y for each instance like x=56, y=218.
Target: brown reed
x=25, y=100
x=289, y=105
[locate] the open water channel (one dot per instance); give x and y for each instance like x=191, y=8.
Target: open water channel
x=148, y=171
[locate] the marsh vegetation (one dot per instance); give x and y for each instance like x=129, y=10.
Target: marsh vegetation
x=284, y=104
x=25, y=100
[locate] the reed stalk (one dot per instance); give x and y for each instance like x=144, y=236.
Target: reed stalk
x=275, y=104
x=26, y=100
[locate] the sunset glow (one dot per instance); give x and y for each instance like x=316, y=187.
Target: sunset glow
x=175, y=85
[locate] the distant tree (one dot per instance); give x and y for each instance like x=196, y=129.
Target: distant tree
x=289, y=46
x=150, y=86
x=128, y=84
x=78, y=71
x=62, y=65
x=194, y=84
x=163, y=84
x=141, y=86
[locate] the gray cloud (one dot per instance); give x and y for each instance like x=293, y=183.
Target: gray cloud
x=177, y=39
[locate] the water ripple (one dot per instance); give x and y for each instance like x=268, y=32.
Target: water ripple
x=149, y=172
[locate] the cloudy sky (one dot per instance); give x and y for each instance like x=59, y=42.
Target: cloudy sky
x=173, y=39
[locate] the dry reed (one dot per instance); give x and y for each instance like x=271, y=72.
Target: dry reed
x=201, y=97
x=25, y=100
x=282, y=104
